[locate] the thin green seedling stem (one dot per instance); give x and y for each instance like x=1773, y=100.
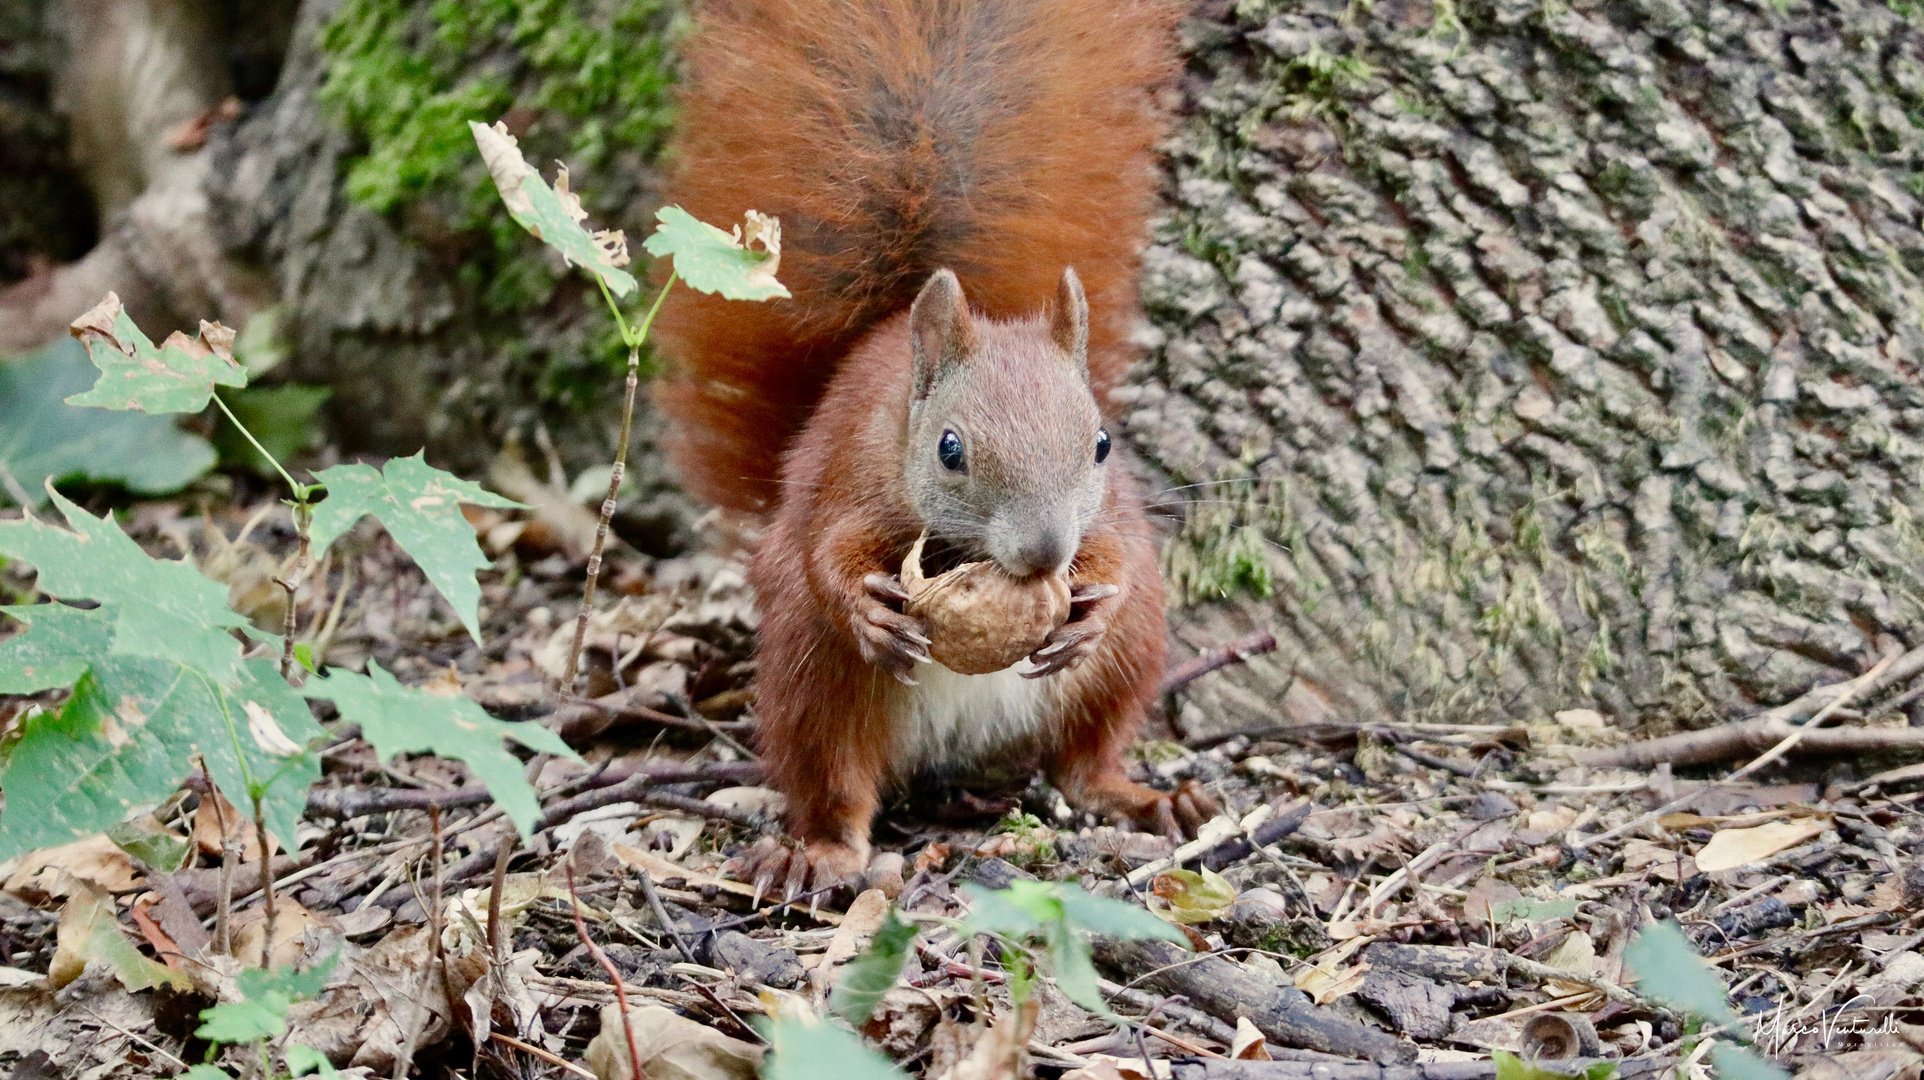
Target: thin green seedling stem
x=262, y=450
x=303, y=516
x=634, y=340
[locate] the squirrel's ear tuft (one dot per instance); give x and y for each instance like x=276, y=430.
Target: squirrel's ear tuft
x=941, y=332
x=1070, y=324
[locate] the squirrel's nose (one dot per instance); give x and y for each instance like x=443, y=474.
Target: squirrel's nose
x=1033, y=546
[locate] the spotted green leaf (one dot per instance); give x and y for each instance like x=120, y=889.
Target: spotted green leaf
x=154, y=846
x=55, y=648
x=421, y=507
x=129, y=734
x=178, y=376
x=403, y=720
x=161, y=608
x=43, y=438
x=713, y=261
x=553, y=214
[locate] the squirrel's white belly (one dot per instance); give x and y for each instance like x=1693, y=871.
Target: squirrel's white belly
x=948, y=719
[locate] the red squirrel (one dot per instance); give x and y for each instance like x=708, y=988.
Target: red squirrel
x=962, y=187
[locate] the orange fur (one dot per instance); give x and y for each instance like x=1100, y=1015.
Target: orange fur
x=1003, y=139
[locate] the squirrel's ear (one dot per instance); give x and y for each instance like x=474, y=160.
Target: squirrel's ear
x=940, y=330
x=1070, y=326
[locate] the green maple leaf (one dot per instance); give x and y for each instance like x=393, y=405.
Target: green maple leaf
x=160, y=608
x=804, y=1050
x=154, y=846
x=553, y=214
x=402, y=720
x=129, y=734
x=56, y=647
x=421, y=507
x=713, y=261
x=1669, y=970
x=179, y=376
x=302, y=1060
x=1061, y=913
x=873, y=973
x=42, y=438
x=266, y=995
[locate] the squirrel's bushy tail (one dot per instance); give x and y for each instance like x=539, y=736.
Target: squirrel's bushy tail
x=1003, y=139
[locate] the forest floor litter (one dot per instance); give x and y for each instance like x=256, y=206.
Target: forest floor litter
x=1379, y=900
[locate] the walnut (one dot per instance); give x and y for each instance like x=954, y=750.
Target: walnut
x=980, y=619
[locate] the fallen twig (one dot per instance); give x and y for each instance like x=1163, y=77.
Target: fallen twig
x=614, y=976
x=1269, y=832
x=1790, y=738
x=1221, y=656
x=536, y=1051
x=661, y=916
x=1141, y=999
x=345, y=803
x=1766, y=730
x=581, y=718
x=1284, y=1015
x=1214, y=1069
x=1466, y=963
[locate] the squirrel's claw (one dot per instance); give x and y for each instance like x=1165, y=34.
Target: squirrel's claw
x=893, y=641
x=1077, y=638
x=1071, y=642
x=885, y=587
x=1191, y=806
x=1089, y=594
x=774, y=866
x=761, y=864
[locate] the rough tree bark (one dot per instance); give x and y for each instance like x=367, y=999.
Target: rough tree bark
x=1568, y=351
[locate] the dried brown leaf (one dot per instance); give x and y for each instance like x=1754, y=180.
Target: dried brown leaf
x=670, y=1046
x=1732, y=848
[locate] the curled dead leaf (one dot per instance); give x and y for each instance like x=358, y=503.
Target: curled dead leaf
x=501, y=152
x=1185, y=896
x=52, y=873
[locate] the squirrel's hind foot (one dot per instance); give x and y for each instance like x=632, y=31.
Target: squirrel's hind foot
x=1177, y=814
x=772, y=865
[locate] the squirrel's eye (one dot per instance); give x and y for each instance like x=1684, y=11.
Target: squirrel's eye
x=1102, y=444
x=949, y=451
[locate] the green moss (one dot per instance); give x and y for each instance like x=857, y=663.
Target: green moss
x=1224, y=547
x=1319, y=83
x=590, y=85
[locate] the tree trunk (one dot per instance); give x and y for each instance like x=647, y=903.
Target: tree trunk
x=1564, y=354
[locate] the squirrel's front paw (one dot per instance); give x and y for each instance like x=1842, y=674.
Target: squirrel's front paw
x=1077, y=638
x=887, y=638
